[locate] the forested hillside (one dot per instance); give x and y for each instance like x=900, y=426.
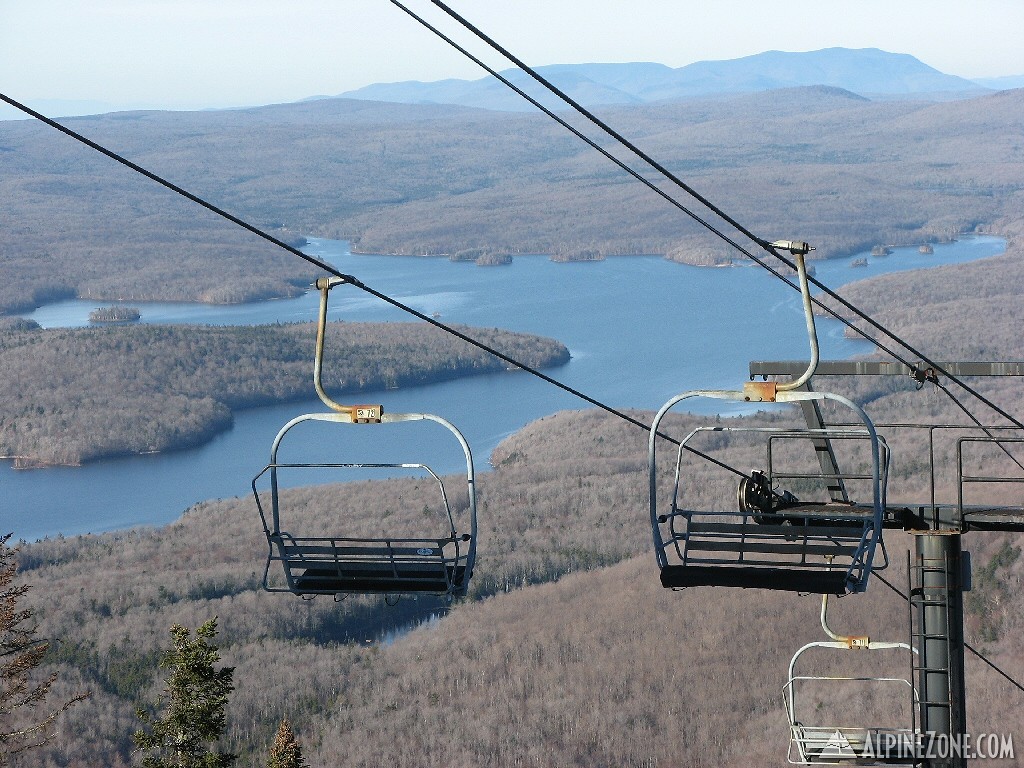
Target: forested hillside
x=76, y=395
x=819, y=164
x=969, y=311
x=603, y=668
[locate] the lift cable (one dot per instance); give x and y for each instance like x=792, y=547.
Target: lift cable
x=656, y=189
x=661, y=169
x=583, y=111
x=350, y=279
x=568, y=126
x=977, y=423
x=967, y=645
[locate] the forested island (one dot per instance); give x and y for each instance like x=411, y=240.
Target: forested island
x=468, y=255
x=494, y=260
x=482, y=257
x=116, y=314
x=452, y=179
x=705, y=255
x=83, y=394
x=581, y=255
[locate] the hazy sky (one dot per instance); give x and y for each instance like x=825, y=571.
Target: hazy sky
x=204, y=53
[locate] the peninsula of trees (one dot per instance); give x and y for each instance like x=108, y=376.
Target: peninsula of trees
x=82, y=394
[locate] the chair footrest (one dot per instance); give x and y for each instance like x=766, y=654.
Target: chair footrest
x=783, y=579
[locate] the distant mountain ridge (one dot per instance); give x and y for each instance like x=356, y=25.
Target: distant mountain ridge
x=864, y=71
x=868, y=72
x=1006, y=83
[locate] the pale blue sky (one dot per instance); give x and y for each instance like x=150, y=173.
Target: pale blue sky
x=221, y=53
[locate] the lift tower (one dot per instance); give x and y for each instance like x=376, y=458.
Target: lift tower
x=940, y=569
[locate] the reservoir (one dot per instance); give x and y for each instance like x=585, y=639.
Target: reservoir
x=640, y=329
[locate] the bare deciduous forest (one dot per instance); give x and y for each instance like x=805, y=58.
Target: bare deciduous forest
x=567, y=651
x=823, y=164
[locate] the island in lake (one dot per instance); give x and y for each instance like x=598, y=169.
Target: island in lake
x=585, y=254
x=493, y=260
x=115, y=315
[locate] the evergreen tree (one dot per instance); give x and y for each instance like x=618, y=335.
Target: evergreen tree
x=21, y=727
x=195, y=697
x=285, y=752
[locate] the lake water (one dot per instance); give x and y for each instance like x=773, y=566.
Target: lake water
x=640, y=329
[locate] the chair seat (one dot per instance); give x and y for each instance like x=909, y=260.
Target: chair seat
x=815, y=581
x=394, y=578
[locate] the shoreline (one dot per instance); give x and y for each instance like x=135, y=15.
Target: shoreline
x=29, y=308
x=207, y=472
x=837, y=255
x=208, y=432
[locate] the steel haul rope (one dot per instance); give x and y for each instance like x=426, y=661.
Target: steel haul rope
x=349, y=278
x=764, y=244
x=967, y=645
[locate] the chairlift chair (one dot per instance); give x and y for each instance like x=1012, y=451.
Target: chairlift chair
x=771, y=539
x=346, y=564
x=815, y=740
